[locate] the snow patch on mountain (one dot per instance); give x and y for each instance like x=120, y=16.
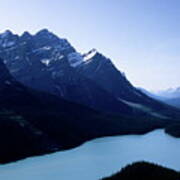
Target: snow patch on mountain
x=45, y=48
x=75, y=59
x=8, y=43
x=143, y=108
x=61, y=56
x=17, y=57
x=45, y=61
x=136, y=105
x=90, y=54
x=7, y=82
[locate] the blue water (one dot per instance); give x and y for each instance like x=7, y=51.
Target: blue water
x=97, y=158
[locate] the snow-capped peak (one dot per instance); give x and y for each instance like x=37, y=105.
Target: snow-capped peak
x=90, y=54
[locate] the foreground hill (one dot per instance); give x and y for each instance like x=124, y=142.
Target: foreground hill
x=145, y=171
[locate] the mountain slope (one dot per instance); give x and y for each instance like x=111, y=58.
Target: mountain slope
x=102, y=71
x=33, y=122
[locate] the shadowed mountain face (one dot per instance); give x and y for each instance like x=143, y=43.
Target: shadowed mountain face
x=48, y=63
x=33, y=123
x=102, y=71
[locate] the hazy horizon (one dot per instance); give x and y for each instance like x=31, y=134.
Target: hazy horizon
x=140, y=37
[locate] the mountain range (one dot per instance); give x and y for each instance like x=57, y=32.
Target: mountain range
x=54, y=98
x=169, y=96
x=169, y=93
x=48, y=63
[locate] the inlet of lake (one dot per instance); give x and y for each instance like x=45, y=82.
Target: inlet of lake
x=97, y=158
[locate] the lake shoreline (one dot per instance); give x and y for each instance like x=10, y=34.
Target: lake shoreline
x=91, y=139
x=94, y=157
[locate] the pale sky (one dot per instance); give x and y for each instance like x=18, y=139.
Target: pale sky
x=142, y=37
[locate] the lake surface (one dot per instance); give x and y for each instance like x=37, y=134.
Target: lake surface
x=97, y=158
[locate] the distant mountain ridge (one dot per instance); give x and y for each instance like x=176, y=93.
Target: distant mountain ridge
x=169, y=93
x=170, y=96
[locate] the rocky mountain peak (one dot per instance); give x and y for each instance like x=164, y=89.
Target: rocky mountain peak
x=6, y=34
x=26, y=35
